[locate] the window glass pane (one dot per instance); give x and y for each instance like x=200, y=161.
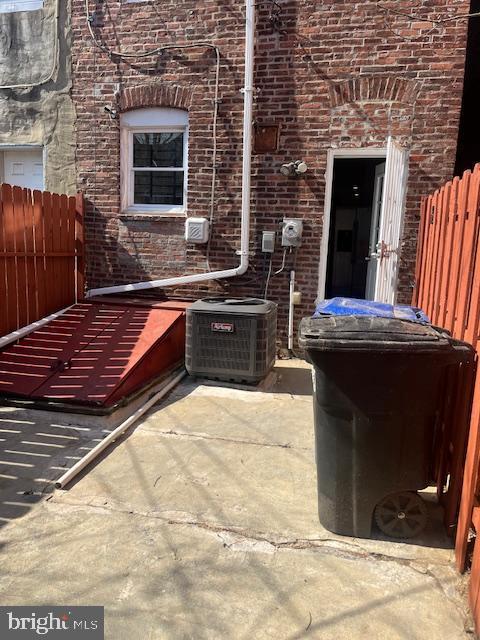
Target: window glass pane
x=158, y=187
x=158, y=149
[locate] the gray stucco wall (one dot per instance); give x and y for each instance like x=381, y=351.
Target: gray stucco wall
x=43, y=114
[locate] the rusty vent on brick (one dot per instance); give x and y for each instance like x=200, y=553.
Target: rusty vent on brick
x=265, y=138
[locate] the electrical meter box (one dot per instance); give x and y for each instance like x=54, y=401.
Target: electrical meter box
x=196, y=230
x=292, y=230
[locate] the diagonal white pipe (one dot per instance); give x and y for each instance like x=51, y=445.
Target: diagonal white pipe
x=116, y=433
x=246, y=183
x=24, y=331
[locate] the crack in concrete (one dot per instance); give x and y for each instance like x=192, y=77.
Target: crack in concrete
x=340, y=547
x=201, y=436
x=237, y=538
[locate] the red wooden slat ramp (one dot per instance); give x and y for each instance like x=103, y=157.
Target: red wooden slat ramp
x=95, y=354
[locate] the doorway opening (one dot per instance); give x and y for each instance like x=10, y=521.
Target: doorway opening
x=356, y=203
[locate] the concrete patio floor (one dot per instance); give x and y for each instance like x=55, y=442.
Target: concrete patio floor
x=202, y=524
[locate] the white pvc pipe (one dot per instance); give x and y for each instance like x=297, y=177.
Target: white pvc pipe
x=116, y=433
x=246, y=182
x=290, y=310
x=21, y=333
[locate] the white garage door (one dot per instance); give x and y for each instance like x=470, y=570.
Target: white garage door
x=23, y=168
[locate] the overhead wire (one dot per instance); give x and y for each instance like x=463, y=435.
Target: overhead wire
x=436, y=22
x=283, y=263
x=271, y=275
x=276, y=18
x=267, y=282
x=214, y=154
x=417, y=18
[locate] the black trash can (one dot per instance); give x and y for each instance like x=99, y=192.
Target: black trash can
x=378, y=383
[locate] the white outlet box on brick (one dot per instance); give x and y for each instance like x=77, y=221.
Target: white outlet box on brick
x=196, y=230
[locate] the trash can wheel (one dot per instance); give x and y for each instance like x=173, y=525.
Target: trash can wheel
x=401, y=515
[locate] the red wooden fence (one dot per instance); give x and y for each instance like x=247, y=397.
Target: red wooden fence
x=448, y=289
x=41, y=254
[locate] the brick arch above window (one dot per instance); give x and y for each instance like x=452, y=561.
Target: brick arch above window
x=373, y=89
x=155, y=95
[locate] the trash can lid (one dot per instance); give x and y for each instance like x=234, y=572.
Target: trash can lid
x=355, y=307
x=370, y=333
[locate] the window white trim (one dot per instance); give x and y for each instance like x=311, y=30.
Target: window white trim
x=156, y=120
x=12, y=6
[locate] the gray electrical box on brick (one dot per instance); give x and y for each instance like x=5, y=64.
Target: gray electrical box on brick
x=268, y=241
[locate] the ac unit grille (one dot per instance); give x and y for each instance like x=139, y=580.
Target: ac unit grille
x=246, y=352
x=216, y=350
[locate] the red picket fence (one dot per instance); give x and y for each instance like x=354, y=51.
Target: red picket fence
x=41, y=254
x=448, y=289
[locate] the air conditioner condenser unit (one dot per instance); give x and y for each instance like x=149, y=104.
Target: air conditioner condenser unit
x=231, y=339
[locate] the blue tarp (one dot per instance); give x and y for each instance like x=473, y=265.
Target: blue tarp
x=355, y=307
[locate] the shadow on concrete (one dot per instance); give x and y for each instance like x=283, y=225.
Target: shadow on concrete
x=395, y=624
x=36, y=448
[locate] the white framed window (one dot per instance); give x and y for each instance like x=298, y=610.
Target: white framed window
x=154, y=161
x=11, y=6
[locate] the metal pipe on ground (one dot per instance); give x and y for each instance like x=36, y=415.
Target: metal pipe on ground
x=116, y=433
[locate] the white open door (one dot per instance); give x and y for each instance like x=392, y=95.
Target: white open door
x=391, y=223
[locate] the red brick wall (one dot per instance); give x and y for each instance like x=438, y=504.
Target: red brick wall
x=330, y=74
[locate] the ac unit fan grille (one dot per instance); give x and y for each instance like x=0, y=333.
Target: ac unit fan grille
x=216, y=350
x=231, y=345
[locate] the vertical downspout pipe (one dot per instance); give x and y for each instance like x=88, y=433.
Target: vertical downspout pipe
x=246, y=183
x=247, y=134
